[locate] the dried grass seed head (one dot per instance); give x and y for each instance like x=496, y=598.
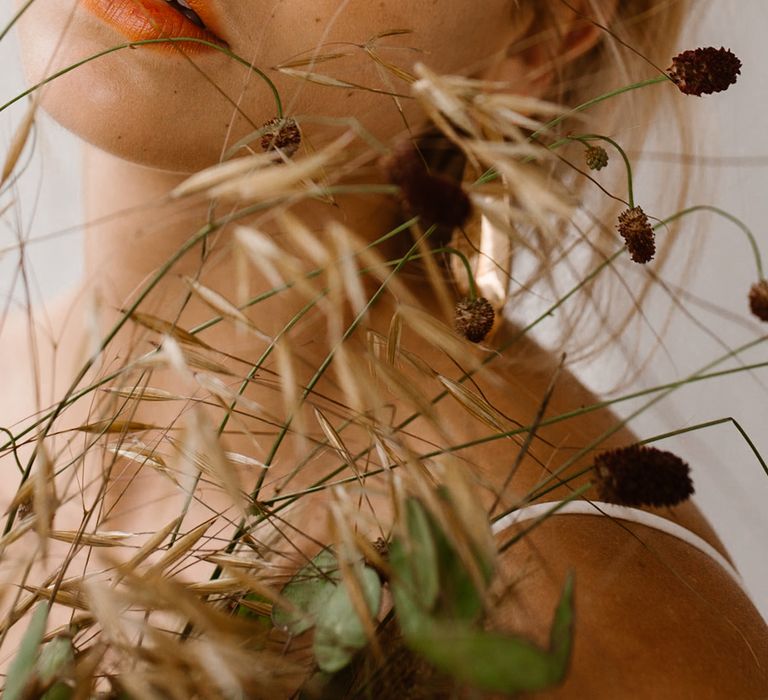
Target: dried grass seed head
x=758, y=299
x=596, y=157
x=704, y=71
x=637, y=232
x=474, y=318
x=642, y=476
x=281, y=135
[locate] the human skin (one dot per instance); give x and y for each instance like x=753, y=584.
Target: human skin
x=185, y=129
x=147, y=113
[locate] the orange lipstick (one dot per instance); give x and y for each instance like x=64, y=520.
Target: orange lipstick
x=140, y=20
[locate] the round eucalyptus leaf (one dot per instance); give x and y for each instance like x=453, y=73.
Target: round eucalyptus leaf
x=339, y=632
x=308, y=592
x=55, y=657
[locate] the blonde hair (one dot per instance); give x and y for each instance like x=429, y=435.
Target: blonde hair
x=638, y=40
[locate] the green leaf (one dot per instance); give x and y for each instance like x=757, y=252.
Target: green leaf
x=411, y=614
x=422, y=558
x=309, y=591
x=561, y=634
x=486, y=660
x=54, y=659
x=459, y=597
x=427, y=563
x=340, y=632
x=24, y=664
x=59, y=691
x=491, y=661
x=414, y=561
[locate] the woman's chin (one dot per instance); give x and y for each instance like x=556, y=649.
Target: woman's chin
x=155, y=143
x=153, y=140
x=157, y=110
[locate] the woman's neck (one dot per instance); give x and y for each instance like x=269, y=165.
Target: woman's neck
x=135, y=228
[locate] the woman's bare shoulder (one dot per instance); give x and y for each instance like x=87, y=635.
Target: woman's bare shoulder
x=656, y=617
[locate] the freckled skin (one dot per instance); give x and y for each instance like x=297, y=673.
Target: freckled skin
x=184, y=129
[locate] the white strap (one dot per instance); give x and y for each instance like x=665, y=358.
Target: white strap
x=635, y=515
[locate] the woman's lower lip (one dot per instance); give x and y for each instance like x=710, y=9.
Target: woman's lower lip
x=142, y=20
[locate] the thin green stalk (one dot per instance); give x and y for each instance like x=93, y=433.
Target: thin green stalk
x=15, y=19
x=597, y=100
x=623, y=422
x=331, y=354
x=243, y=386
x=75, y=396
x=553, y=420
x=470, y=276
x=320, y=484
x=622, y=153
x=733, y=219
x=146, y=42
x=241, y=529
x=536, y=495
x=54, y=414
x=656, y=438
x=710, y=424
x=490, y=174
x=545, y=516
x=310, y=275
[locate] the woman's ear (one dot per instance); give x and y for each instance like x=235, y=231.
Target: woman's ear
x=560, y=32
x=582, y=24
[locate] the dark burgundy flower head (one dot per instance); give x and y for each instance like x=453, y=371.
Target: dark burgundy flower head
x=704, y=71
x=637, y=233
x=435, y=199
x=596, y=157
x=281, y=135
x=758, y=299
x=474, y=319
x=642, y=476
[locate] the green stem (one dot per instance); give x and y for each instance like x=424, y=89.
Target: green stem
x=597, y=100
x=146, y=42
x=656, y=438
x=545, y=516
x=233, y=404
x=320, y=485
x=622, y=153
x=329, y=358
x=216, y=225
x=710, y=424
x=470, y=277
x=242, y=529
x=490, y=174
x=623, y=422
x=733, y=219
x=51, y=418
x=15, y=18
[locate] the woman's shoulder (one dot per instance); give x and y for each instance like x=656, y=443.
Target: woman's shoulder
x=654, y=613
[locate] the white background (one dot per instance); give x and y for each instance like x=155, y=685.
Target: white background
x=731, y=487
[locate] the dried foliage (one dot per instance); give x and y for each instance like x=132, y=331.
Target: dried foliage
x=217, y=516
